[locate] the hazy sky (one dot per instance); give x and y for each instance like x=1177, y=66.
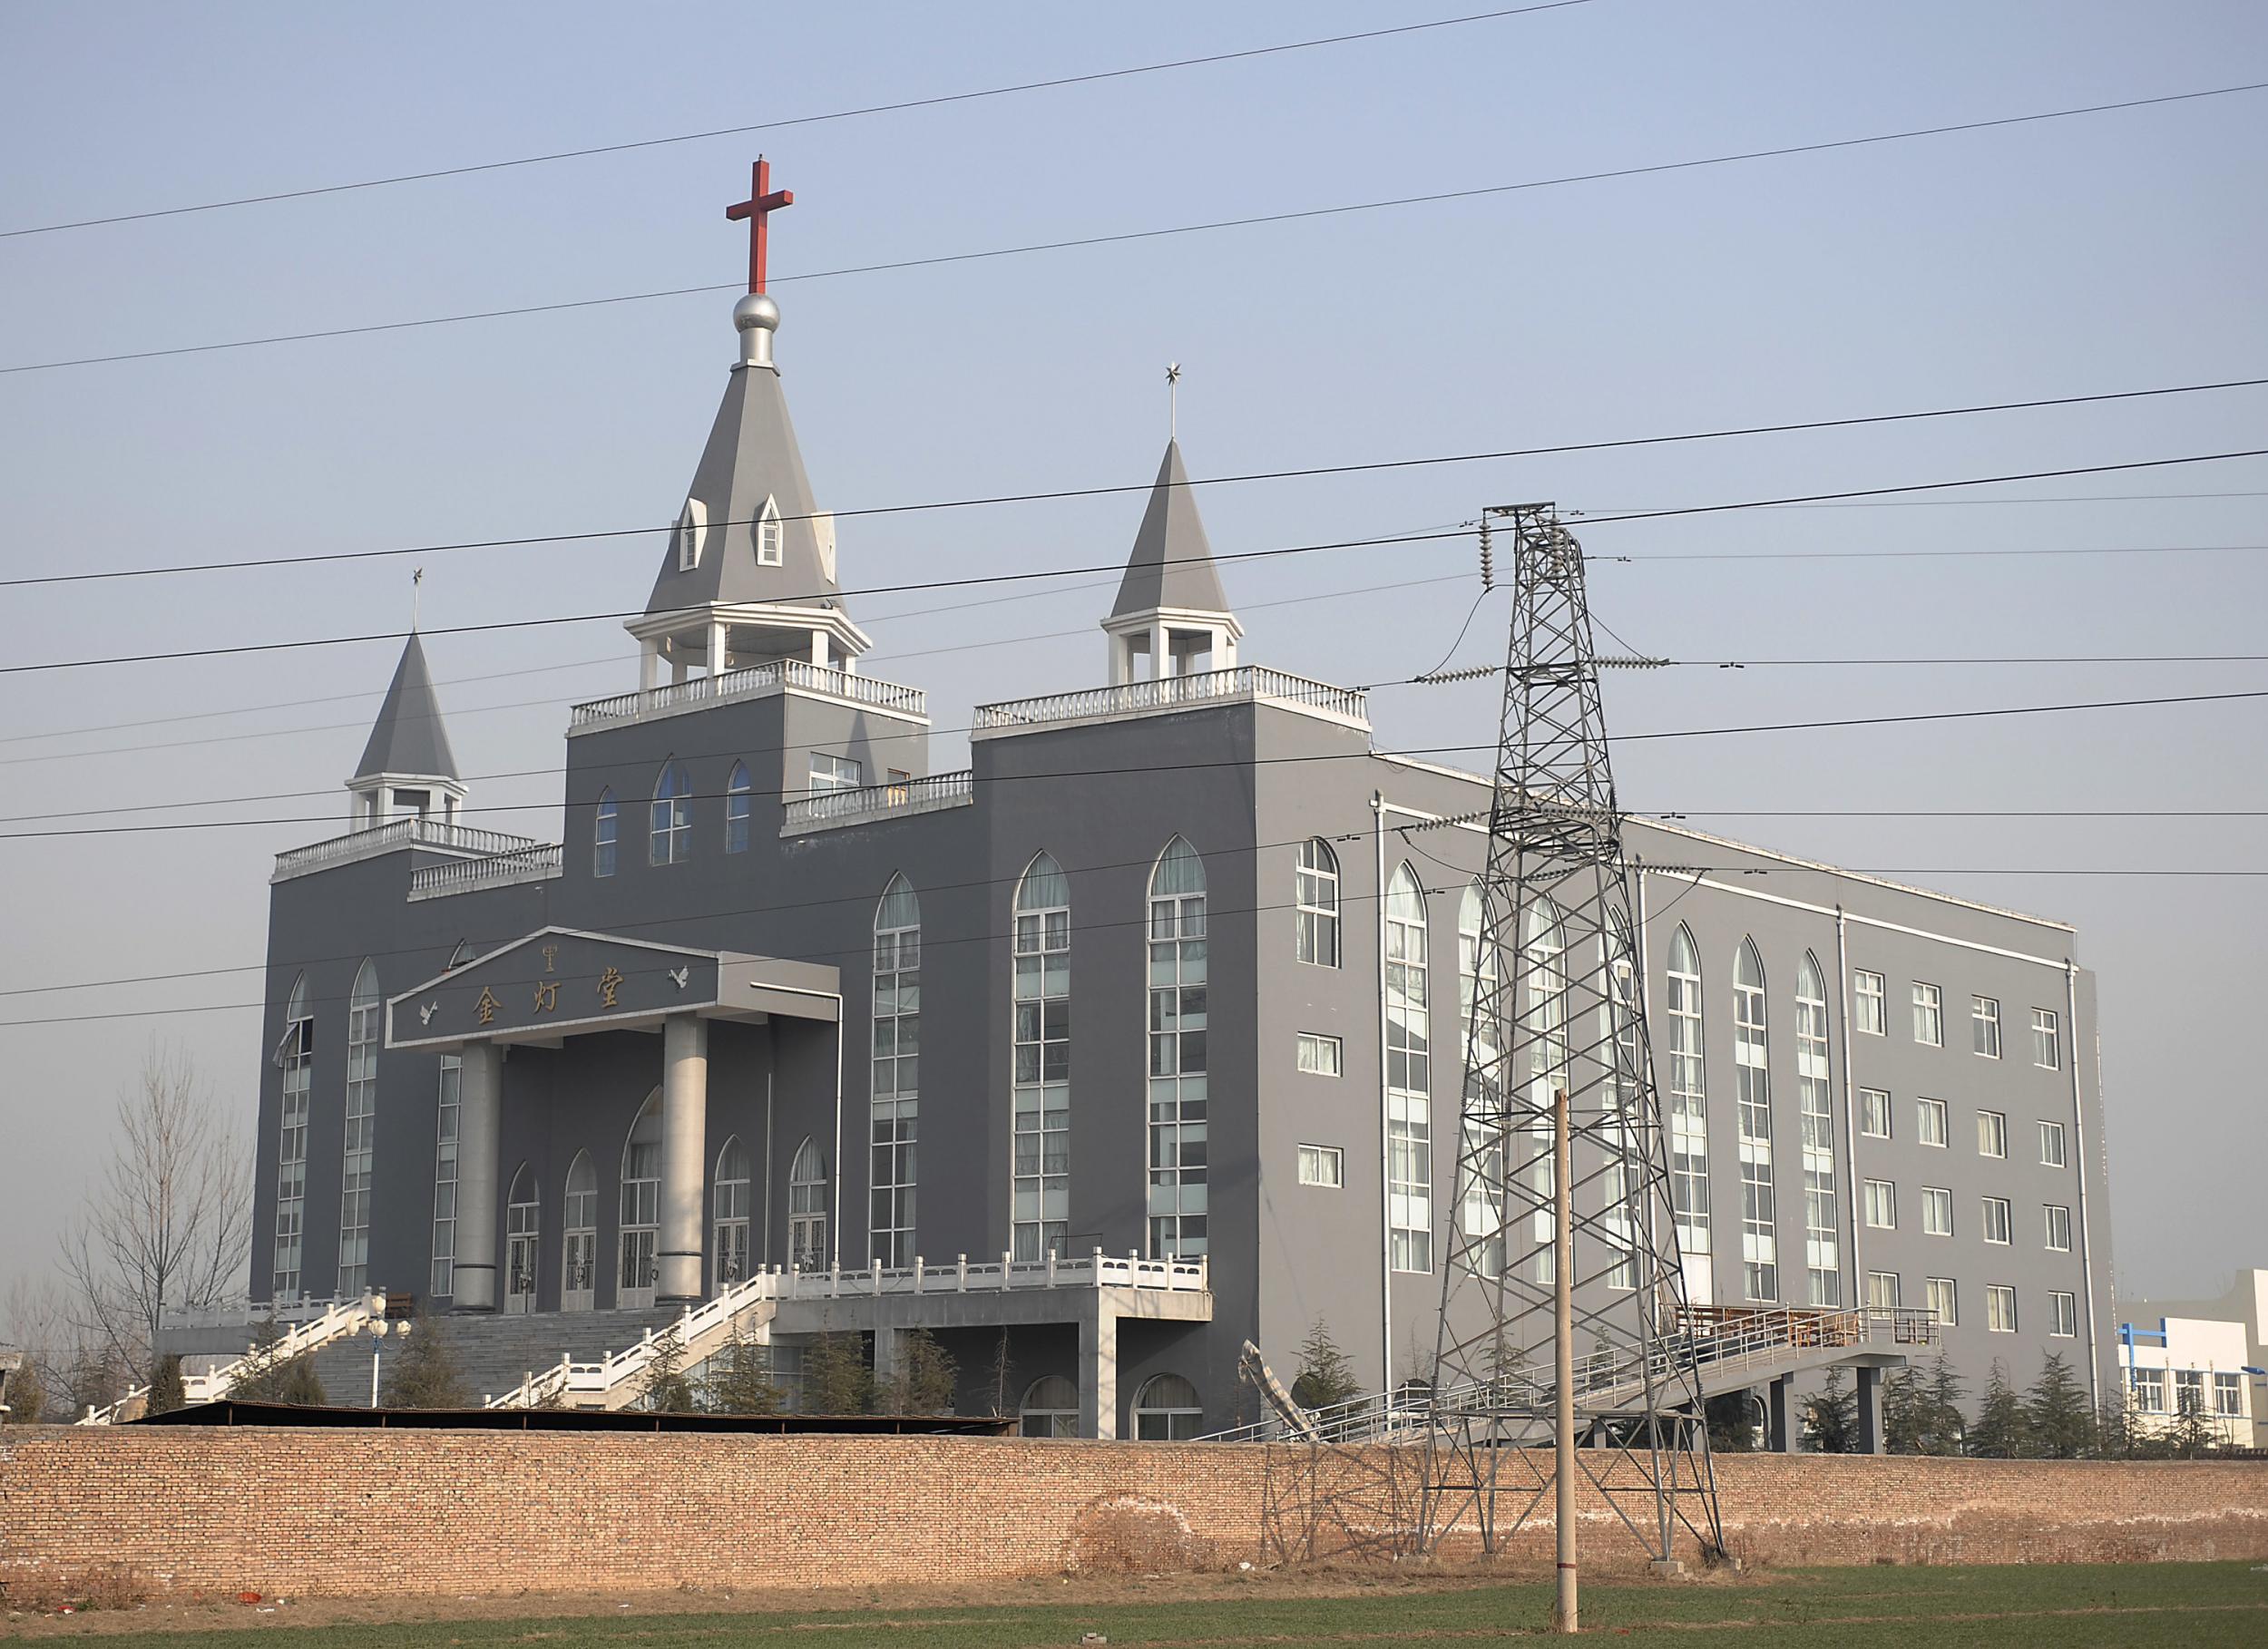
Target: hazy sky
x=2117, y=251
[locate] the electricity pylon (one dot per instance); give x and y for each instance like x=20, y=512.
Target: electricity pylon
x=1557, y=1009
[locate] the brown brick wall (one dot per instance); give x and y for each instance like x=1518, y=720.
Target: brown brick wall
x=305, y=1512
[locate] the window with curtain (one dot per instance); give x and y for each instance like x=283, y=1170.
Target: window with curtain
x=1176, y=1006
x=1042, y=1078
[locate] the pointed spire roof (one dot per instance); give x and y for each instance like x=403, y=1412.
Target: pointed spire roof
x=408, y=739
x=1172, y=563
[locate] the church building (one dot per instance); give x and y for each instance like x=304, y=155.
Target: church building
x=1133, y=1040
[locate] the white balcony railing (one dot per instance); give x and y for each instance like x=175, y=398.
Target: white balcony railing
x=830, y=808
x=1246, y=684
x=540, y=862
x=391, y=837
x=626, y=708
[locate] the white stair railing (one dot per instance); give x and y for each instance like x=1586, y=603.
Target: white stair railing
x=613, y=1380
x=342, y=1317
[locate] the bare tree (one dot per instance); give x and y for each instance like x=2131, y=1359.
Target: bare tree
x=167, y=1226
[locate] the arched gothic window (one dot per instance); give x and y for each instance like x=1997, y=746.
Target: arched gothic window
x=1480, y=1034
x=1167, y=1410
x=670, y=828
x=692, y=528
x=729, y=1205
x=362, y=1127
x=895, y=1098
x=447, y=1110
x=771, y=538
x=1315, y=892
x=739, y=805
x=579, y=1240
x=604, y=826
x=1543, y=985
x=1618, y=1041
x=1409, y=1078
x=296, y=1055
x=1689, y=1111
x=1759, y=1219
x=1177, y=1054
x=523, y=1235
x=1042, y=1052
x=642, y=1208
x=806, y=1207
x=1049, y=1408
x=1822, y=1250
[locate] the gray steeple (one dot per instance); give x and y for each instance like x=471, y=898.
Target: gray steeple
x=408, y=739
x=1172, y=563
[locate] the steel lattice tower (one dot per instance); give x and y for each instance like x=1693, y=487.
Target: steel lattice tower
x=1558, y=1008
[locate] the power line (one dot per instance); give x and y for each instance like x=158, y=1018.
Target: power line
x=1060, y=494
x=1007, y=578
x=938, y=100
x=1960, y=554
x=1122, y=237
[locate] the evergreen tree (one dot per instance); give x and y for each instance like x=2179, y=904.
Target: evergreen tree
x=2114, y=1429
x=1947, y=1424
x=268, y=1376
x=836, y=1378
x=1732, y=1422
x=2056, y=1412
x=2000, y=1432
x=302, y=1384
x=665, y=1390
x=27, y=1398
x=1831, y=1418
x=423, y=1374
x=2190, y=1435
x=739, y=1379
x=1905, y=1413
x=1325, y=1376
x=166, y=1387
x=926, y=1379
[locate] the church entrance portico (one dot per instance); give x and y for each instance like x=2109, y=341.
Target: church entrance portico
x=544, y=990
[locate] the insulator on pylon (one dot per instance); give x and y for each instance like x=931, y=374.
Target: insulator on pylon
x=1487, y=558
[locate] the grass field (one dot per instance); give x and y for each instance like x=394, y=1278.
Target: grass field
x=2143, y=1604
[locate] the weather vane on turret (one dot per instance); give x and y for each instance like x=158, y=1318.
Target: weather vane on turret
x=1173, y=400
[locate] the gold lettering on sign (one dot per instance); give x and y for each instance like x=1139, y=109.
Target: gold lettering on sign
x=487, y=1005
x=610, y=984
x=547, y=995
x=550, y=955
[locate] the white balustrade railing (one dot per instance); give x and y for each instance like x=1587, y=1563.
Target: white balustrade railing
x=393, y=835
x=877, y=801
x=540, y=862
x=1247, y=683
x=335, y=1317
x=754, y=682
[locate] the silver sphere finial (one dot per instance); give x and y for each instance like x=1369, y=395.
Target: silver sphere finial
x=756, y=318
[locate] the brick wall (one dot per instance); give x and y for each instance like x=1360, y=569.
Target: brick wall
x=305, y=1512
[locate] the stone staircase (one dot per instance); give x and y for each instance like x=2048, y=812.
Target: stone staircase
x=495, y=1353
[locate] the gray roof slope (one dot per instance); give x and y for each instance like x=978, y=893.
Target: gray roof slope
x=751, y=456
x=1172, y=563
x=408, y=736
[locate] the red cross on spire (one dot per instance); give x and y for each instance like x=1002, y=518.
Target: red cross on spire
x=762, y=201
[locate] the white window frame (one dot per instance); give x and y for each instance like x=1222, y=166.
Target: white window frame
x=670, y=816
x=1823, y=1259
x=1321, y=1056
x=2001, y=1308
x=365, y=1010
x=1937, y=1211
x=606, y=826
x=448, y=1110
x=1040, y=1101
x=2047, y=1038
x=1869, y=1003
x=808, y=1224
x=1992, y=1134
x=1874, y=1112
x=2063, y=1314
x=2056, y=1228
x=692, y=533
x=579, y=1237
x=1882, y=1291
x=1984, y=1027
x=1687, y=1096
x=1882, y=1205
x=2146, y=1387
x=637, y=1251
x=1315, y=904
x=1942, y=1296
x=771, y=535
x=2228, y=1393
x=1409, y=1078
x=1752, y=1081
x=1929, y=1014
x=1925, y=1109
x=1177, y=1015
x=1996, y=1216
x=296, y=1054
x=730, y=1200
x=2051, y=1152
x=830, y=773
x=1323, y=1167
x=894, y=1095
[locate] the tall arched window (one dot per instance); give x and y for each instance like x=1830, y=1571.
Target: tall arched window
x=771, y=538
x=523, y=1236
x=729, y=1205
x=1543, y=986
x=1689, y=1113
x=603, y=828
x=1619, y=1041
x=806, y=1207
x=642, y=1208
x=362, y=1128
x=1480, y=1036
x=739, y=805
x=895, y=1100
x=1042, y=1051
x=578, y=1238
x=447, y=1108
x=670, y=830
x=1049, y=1408
x=1408, y=1080
x=296, y=1054
x=1167, y=1410
x=1176, y=1053
x=1315, y=890
x=1759, y=1221
x=1822, y=1251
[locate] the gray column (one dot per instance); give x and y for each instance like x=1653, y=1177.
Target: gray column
x=1098, y=1373
x=684, y=1155
x=1870, y=1409
x=479, y=1129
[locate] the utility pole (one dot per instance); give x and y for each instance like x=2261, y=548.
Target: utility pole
x=1563, y=1339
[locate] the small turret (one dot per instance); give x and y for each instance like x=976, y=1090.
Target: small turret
x=407, y=769
x=1171, y=617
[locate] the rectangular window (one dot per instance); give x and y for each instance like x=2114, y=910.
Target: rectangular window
x=1409, y=1081
x=835, y=773
x=1322, y=1166
x=1882, y=1290
x=2189, y=1391
x=2147, y=1388
x=1867, y=1007
x=1320, y=1056
x=2047, y=1051
x=1874, y=1112
x=1882, y=1205
x=2228, y=1394
x=1937, y=1211
x=1929, y=1014
x=1179, y=1058
x=1992, y=1134
x=2059, y=1227
x=1943, y=1302
x=2000, y=1308
x=2063, y=1314
x=1929, y=1122
x=1984, y=1026
x=1996, y=1219
x=2051, y=1144
x=443, y=1281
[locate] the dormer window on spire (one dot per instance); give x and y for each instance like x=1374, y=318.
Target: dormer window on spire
x=771, y=536
x=692, y=530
